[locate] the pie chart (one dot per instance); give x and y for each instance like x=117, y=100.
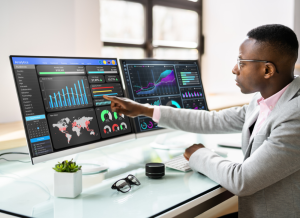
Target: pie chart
x=173, y=103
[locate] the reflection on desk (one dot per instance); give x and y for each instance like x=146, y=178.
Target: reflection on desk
x=27, y=189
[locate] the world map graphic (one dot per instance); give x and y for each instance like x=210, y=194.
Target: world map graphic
x=77, y=126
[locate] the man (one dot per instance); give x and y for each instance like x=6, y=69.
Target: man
x=268, y=181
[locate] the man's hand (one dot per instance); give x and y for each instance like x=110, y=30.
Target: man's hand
x=190, y=150
x=128, y=107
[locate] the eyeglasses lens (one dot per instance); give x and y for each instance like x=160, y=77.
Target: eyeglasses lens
x=134, y=180
x=123, y=185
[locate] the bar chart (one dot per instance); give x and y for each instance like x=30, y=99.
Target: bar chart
x=114, y=89
x=65, y=93
x=191, y=93
x=188, y=78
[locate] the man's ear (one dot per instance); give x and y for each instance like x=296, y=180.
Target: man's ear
x=270, y=70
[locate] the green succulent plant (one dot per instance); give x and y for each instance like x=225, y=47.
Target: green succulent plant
x=67, y=166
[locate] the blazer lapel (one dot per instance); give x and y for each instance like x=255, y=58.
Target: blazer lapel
x=290, y=92
x=246, y=132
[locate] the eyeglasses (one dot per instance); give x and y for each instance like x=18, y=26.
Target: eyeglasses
x=240, y=60
x=124, y=185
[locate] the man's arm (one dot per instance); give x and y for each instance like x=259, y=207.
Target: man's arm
x=275, y=159
x=225, y=121
x=129, y=107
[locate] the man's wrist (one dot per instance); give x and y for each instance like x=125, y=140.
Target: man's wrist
x=147, y=110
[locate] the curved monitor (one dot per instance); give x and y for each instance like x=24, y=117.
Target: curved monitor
x=62, y=105
x=174, y=83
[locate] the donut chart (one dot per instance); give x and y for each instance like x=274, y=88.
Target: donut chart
x=106, y=116
x=123, y=126
x=107, y=129
x=144, y=125
x=150, y=125
x=173, y=103
x=115, y=127
x=118, y=117
x=147, y=124
x=111, y=123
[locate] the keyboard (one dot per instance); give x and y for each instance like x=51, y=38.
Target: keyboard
x=178, y=163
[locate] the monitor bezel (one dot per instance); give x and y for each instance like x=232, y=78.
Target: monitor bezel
x=126, y=93
x=79, y=148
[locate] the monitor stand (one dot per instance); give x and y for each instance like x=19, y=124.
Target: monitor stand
x=90, y=167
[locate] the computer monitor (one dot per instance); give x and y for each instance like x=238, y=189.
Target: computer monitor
x=62, y=105
x=174, y=83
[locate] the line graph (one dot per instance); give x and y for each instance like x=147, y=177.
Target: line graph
x=151, y=81
x=65, y=92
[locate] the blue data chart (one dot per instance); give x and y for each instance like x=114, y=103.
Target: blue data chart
x=65, y=93
x=188, y=78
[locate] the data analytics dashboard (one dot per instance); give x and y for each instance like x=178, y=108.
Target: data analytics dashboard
x=171, y=83
x=62, y=104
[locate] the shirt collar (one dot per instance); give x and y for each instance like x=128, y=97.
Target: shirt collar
x=272, y=100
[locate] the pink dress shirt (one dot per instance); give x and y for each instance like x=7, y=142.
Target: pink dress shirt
x=156, y=114
x=266, y=106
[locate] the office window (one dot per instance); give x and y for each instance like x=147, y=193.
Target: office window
x=175, y=27
x=159, y=29
x=122, y=21
x=175, y=53
x=122, y=52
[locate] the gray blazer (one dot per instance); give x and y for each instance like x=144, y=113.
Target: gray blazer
x=268, y=181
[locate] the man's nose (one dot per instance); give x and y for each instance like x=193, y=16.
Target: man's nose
x=235, y=70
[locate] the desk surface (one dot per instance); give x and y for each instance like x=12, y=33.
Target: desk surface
x=28, y=190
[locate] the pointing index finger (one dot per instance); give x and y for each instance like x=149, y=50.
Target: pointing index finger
x=113, y=99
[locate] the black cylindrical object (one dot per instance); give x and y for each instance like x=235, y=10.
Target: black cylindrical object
x=155, y=170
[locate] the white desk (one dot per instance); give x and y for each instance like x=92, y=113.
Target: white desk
x=27, y=190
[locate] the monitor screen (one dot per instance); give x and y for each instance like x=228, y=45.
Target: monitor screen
x=163, y=82
x=62, y=102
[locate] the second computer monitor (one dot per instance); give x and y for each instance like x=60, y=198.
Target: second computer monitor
x=172, y=83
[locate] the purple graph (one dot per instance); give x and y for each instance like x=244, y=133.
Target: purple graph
x=165, y=84
x=191, y=94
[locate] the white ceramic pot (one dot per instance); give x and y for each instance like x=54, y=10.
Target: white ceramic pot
x=67, y=185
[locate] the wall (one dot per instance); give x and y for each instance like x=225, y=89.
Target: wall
x=43, y=27
x=225, y=25
x=72, y=28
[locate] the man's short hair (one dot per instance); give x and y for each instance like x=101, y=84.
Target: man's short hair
x=281, y=38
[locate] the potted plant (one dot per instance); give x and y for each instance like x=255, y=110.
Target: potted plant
x=67, y=179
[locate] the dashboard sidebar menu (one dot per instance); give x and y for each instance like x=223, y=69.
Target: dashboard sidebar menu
x=33, y=108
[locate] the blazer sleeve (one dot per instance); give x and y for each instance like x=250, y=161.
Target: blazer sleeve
x=275, y=159
x=197, y=121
